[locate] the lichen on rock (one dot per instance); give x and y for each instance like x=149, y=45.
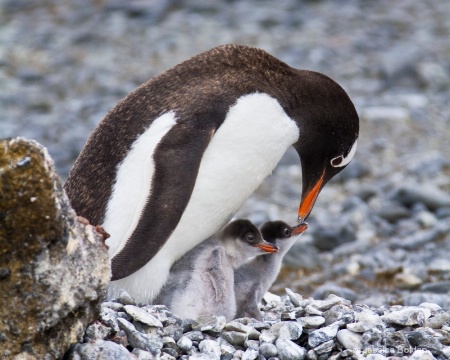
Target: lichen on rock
x=54, y=269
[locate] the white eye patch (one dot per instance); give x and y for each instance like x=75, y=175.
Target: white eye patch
x=342, y=160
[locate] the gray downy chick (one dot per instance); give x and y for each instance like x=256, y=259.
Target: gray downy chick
x=254, y=278
x=201, y=283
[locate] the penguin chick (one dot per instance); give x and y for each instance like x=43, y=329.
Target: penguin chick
x=254, y=278
x=201, y=283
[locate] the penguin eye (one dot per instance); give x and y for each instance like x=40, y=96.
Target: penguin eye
x=337, y=161
x=287, y=232
x=342, y=160
x=250, y=237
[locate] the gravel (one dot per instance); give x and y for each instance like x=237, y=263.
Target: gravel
x=355, y=331
x=379, y=234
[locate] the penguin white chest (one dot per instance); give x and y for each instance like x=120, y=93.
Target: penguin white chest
x=243, y=151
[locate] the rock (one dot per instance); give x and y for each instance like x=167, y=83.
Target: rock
x=60, y=263
x=322, y=335
x=250, y=354
x=184, y=343
x=312, y=322
x=287, y=330
x=383, y=114
x=125, y=298
x=328, y=237
x=143, y=355
x=288, y=350
x=328, y=289
x=97, y=331
x=100, y=350
x=441, y=287
x=141, y=315
x=428, y=194
x=407, y=316
x=405, y=280
x=424, y=339
x=422, y=355
x=268, y=350
x=394, y=213
x=211, y=323
x=249, y=330
x=136, y=339
x=210, y=348
x=235, y=337
x=349, y=340
x=294, y=297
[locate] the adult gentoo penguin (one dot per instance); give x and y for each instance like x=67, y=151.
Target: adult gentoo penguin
x=175, y=159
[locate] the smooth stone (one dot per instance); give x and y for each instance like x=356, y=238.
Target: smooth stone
x=408, y=316
x=210, y=348
x=141, y=315
x=184, y=343
x=349, y=339
x=288, y=350
x=194, y=335
x=294, y=297
x=268, y=350
x=225, y=347
x=440, y=287
x=324, y=291
x=125, y=298
x=422, y=355
x=393, y=213
x=173, y=330
x=267, y=336
x=438, y=320
x=428, y=194
x=407, y=281
x=328, y=237
x=312, y=322
x=235, y=337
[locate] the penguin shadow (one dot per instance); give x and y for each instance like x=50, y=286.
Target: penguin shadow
x=229, y=273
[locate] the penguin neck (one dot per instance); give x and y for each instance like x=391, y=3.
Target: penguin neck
x=236, y=253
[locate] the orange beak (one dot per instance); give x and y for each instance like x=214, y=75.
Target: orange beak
x=308, y=203
x=268, y=247
x=300, y=228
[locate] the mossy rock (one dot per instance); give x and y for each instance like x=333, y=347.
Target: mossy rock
x=53, y=269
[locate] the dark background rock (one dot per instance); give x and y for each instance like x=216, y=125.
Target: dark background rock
x=54, y=268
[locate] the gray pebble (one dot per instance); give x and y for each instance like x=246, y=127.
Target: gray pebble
x=97, y=331
x=349, y=339
x=312, y=322
x=322, y=335
x=210, y=348
x=407, y=316
x=209, y=323
x=250, y=354
x=143, y=355
x=139, y=340
x=235, y=337
x=184, y=343
x=99, y=350
x=125, y=298
x=141, y=315
x=288, y=350
x=428, y=194
x=268, y=350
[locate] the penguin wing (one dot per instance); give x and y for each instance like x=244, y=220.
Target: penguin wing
x=214, y=274
x=176, y=163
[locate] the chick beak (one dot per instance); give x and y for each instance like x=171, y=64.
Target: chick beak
x=268, y=247
x=300, y=228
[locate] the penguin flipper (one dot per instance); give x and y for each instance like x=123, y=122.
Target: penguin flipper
x=176, y=163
